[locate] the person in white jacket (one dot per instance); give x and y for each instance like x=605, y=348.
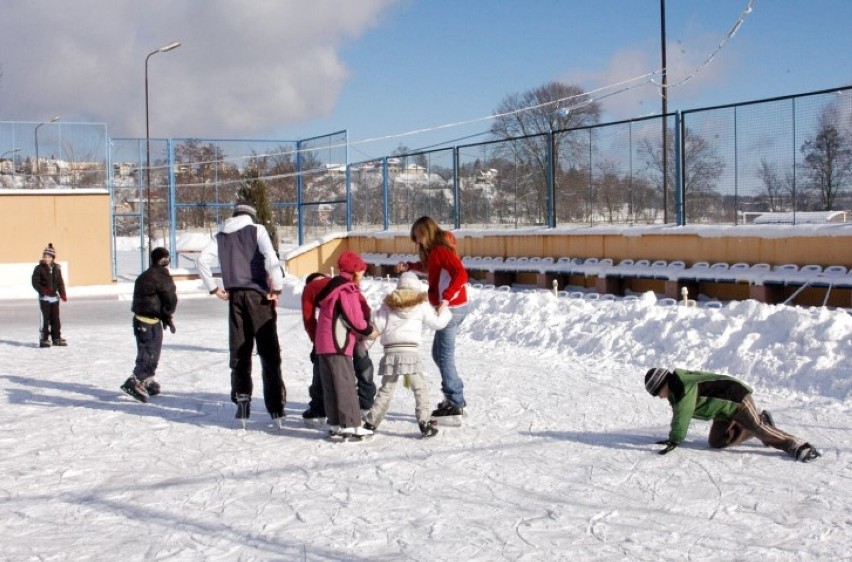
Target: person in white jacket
x=400, y=322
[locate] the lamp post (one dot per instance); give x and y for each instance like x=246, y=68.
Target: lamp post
x=665, y=96
x=163, y=49
x=38, y=167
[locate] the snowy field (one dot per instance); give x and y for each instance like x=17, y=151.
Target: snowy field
x=555, y=460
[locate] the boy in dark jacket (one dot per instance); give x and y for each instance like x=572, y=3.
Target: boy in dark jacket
x=154, y=303
x=726, y=401
x=48, y=283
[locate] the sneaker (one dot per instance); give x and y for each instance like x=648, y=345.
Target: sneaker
x=152, y=387
x=766, y=418
x=311, y=414
x=133, y=388
x=446, y=409
x=429, y=428
x=807, y=453
x=243, y=406
x=60, y=342
x=44, y=343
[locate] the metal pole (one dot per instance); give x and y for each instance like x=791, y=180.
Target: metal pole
x=162, y=49
x=38, y=168
x=665, y=99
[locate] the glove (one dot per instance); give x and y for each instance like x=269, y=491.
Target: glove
x=64, y=298
x=670, y=446
x=313, y=356
x=167, y=323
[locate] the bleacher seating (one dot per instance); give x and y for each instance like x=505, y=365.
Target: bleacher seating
x=600, y=276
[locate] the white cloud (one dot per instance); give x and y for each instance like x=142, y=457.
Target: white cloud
x=245, y=68
x=638, y=98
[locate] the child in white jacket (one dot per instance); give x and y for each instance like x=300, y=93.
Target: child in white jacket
x=400, y=321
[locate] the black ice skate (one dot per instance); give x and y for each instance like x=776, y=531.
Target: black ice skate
x=59, y=342
x=152, y=387
x=243, y=408
x=428, y=429
x=133, y=388
x=447, y=414
x=807, y=453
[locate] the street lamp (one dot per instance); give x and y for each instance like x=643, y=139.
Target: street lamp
x=38, y=167
x=163, y=49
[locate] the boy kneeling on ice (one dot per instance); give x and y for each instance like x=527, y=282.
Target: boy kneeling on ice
x=725, y=400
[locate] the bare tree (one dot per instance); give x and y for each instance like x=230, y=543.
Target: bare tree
x=774, y=187
x=524, y=121
x=702, y=169
x=828, y=159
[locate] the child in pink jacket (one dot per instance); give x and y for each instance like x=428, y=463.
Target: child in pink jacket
x=341, y=320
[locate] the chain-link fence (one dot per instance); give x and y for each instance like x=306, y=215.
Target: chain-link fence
x=53, y=154
x=778, y=160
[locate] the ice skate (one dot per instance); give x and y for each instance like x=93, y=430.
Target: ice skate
x=44, y=343
x=59, y=342
x=313, y=417
x=133, y=388
x=447, y=414
x=807, y=453
x=429, y=428
x=152, y=387
x=243, y=408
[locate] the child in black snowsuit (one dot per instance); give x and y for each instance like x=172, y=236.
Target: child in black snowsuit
x=48, y=283
x=154, y=303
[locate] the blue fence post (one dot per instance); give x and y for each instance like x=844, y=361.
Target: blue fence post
x=794, y=159
x=172, y=201
x=300, y=234
x=456, y=198
x=348, y=185
x=679, y=194
x=141, y=206
x=385, y=194
x=111, y=186
x=551, y=180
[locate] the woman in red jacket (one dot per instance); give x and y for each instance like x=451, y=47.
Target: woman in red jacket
x=447, y=278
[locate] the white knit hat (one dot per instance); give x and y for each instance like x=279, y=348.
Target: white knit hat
x=408, y=281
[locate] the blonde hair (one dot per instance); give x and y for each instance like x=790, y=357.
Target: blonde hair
x=432, y=235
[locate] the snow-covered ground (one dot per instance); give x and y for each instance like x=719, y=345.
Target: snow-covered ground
x=555, y=460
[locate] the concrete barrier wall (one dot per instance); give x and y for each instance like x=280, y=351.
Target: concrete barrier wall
x=76, y=221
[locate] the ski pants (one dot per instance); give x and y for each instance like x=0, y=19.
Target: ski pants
x=363, y=366
x=746, y=424
x=417, y=383
x=253, y=318
x=339, y=393
x=51, y=327
x=149, y=343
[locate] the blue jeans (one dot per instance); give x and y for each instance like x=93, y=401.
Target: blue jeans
x=444, y=355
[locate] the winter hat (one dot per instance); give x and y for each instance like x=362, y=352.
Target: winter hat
x=350, y=262
x=49, y=251
x=655, y=379
x=408, y=281
x=160, y=256
x=246, y=208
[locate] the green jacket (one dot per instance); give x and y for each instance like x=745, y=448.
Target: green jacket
x=702, y=395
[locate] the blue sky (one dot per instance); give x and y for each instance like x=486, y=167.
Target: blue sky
x=379, y=68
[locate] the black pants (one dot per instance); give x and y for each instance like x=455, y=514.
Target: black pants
x=50, y=328
x=149, y=343
x=252, y=318
x=363, y=366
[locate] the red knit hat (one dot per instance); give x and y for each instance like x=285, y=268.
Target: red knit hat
x=350, y=262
